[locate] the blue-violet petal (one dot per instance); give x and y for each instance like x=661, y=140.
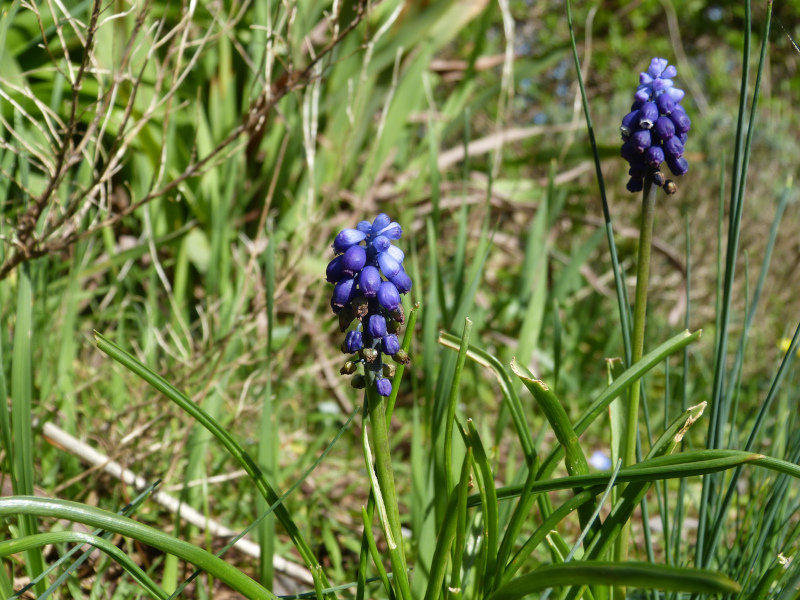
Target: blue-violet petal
x=388, y=296
x=369, y=281
x=354, y=260
x=389, y=266
x=347, y=238
x=376, y=326
x=384, y=387
x=402, y=282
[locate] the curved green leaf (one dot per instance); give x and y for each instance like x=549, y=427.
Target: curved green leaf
x=622, y=383
x=686, y=464
x=232, y=446
x=557, y=417
x=629, y=574
x=40, y=540
x=631, y=376
x=108, y=521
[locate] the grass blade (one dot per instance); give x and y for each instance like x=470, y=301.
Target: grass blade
x=447, y=533
x=685, y=464
x=72, y=537
x=21, y=417
x=510, y=396
x=619, y=284
x=268, y=427
x=451, y=406
x=454, y=591
x=485, y=479
x=126, y=511
x=373, y=550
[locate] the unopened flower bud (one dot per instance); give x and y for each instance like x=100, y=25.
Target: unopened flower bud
x=376, y=326
x=635, y=185
x=390, y=344
x=392, y=327
x=358, y=382
x=369, y=354
x=381, y=222
x=348, y=368
x=398, y=315
x=681, y=121
x=369, y=281
x=402, y=282
x=343, y=292
x=664, y=128
x=641, y=140
x=654, y=156
x=381, y=243
x=658, y=178
x=678, y=166
x=628, y=151
x=669, y=187
x=673, y=147
x=401, y=357
x=389, y=266
x=335, y=270
x=360, y=306
x=665, y=104
x=384, y=387
x=396, y=254
x=637, y=171
x=353, y=260
x=353, y=342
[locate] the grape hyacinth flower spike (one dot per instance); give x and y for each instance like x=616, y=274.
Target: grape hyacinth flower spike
x=368, y=277
x=655, y=131
x=368, y=280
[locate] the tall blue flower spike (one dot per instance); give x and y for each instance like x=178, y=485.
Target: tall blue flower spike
x=368, y=280
x=654, y=132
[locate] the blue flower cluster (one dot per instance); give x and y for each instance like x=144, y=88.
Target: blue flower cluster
x=368, y=281
x=655, y=130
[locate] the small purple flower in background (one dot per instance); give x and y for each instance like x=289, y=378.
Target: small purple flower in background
x=654, y=132
x=368, y=280
x=600, y=461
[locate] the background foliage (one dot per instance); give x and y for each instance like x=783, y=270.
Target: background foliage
x=181, y=201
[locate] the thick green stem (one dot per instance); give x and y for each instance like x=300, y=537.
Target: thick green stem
x=383, y=462
x=385, y=477
x=637, y=350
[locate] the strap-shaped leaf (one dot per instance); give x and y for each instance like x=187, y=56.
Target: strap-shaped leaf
x=629, y=574
x=108, y=521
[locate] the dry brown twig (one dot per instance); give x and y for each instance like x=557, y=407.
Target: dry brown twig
x=69, y=145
